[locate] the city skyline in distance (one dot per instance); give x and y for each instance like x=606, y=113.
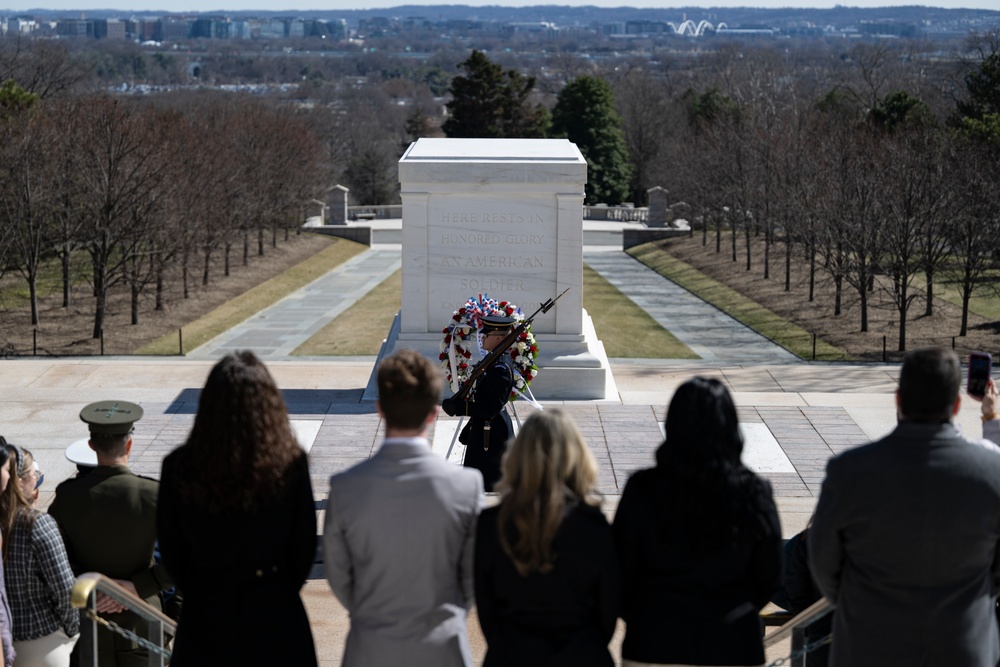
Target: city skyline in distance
x=224, y=6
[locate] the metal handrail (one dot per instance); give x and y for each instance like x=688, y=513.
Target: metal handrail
x=83, y=596
x=811, y=613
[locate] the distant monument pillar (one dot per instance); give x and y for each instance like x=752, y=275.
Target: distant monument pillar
x=337, y=198
x=659, y=208
x=503, y=218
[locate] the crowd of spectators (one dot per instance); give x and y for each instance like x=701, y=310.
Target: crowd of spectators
x=904, y=540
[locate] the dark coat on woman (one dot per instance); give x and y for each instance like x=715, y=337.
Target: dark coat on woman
x=688, y=603
x=561, y=618
x=487, y=405
x=240, y=573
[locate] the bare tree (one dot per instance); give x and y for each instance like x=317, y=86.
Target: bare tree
x=974, y=221
x=120, y=181
x=40, y=66
x=27, y=148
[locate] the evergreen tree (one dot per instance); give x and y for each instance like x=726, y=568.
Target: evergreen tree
x=489, y=103
x=979, y=114
x=585, y=114
x=14, y=98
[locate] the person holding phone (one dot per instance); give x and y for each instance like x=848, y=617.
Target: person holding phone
x=988, y=406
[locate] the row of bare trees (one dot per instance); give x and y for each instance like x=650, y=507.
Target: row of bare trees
x=865, y=173
x=147, y=192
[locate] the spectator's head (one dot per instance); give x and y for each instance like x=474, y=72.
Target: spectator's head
x=547, y=465
x=702, y=427
x=29, y=475
x=110, y=445
x=12, y=498
x=549, y=456
x=241, y=443
x=929, y=384
x=111, y=424
x=409, y=390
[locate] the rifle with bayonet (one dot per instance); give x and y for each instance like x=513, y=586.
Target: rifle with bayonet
x=502, y=348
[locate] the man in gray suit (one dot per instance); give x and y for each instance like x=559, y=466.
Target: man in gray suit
x=399, y=533
x=905, y=536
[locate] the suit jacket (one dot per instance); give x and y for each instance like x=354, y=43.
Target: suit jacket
x=905, y=542
x=229, y=561
x=108, y=523
x=565, y=617
x=398, y=544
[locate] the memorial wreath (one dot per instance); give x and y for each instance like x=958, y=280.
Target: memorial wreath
x=462, y=333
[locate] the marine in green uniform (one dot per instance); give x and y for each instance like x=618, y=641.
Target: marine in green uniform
x=108, y=523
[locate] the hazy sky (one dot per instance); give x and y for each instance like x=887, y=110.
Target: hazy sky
x=288, y=6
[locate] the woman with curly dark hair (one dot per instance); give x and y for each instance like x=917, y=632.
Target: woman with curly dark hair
x=237, y=525
x=698, y=540
x=546, y=575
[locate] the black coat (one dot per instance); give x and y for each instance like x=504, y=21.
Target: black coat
x=240, y=573
x=564, y=617
x=699, y=610
x=487, y=404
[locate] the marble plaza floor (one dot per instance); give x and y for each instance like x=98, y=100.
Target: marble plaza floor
x=795, y=416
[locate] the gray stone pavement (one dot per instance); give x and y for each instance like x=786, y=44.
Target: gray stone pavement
x=713, y=335
x=276, y=331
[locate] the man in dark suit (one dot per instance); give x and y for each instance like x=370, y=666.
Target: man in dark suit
x=108, y=522
x=399, y=531
x=906, y=532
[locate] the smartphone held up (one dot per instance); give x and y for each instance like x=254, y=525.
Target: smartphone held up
x=980, y=366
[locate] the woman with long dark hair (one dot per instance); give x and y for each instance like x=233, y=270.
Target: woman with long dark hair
x=546, y=576
x=237, y=525
x=698, y=540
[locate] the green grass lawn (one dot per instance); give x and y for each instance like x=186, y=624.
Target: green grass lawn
x=984, y=301
x=255, y=299
x=14, y=292
x=625, y=329
x=790, y=336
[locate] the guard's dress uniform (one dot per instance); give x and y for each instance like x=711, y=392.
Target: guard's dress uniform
x=487, y=406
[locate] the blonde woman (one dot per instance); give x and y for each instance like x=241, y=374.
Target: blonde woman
x=36, y=571
x=546, y=574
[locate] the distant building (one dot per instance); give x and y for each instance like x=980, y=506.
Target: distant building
x=172, y=29
x=887, y=29
x=536, y=27
x=74, y=28
x=109, y=29
x=19, y=25
x=240, y=30
x=647, y=27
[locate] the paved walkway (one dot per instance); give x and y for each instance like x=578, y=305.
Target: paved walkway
x=275, y=332
x=710, y=333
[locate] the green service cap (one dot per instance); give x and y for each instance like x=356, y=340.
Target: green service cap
x=113, y=417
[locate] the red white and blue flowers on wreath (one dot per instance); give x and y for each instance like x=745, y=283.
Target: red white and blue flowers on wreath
x=457, y=357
